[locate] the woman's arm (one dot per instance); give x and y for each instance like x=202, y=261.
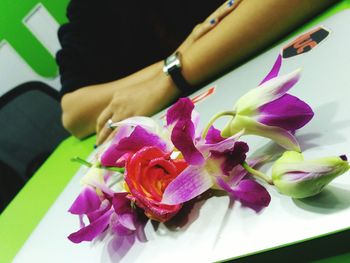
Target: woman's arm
x=87, y=109
x=252, y=26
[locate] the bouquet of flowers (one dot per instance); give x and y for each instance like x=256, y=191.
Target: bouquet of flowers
x=150, y=172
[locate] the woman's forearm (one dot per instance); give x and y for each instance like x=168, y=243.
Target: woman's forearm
x=251, y=27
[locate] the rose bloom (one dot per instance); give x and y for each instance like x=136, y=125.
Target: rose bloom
x=148, y=173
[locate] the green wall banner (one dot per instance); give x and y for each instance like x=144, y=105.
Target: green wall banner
x=14, y=31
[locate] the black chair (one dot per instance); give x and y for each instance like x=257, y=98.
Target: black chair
x=30, y=129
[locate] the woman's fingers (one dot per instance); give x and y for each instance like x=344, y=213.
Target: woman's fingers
x=105, y=115
x=102, y=128
x=104, y=133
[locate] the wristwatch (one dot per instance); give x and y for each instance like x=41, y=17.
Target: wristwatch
x=172, y=66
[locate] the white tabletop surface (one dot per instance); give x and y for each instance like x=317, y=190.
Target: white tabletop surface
x=216, y=232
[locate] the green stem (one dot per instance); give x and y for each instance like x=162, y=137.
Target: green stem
x=112, y=168
x=257, y=173
x=81, y=161
x=214, y=118
x=88, y=164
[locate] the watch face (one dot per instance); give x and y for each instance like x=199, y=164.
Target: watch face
x=171, y=59
x=171, y=63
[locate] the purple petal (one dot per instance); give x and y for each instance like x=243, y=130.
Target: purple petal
x=121, y=203
x=238, y=172
x=120, y=229
x=213, y=136
x=128, y=220
x=269, y=91
x=95, y=215
x=182, y=137
x=125, y=214
x=145, y=122
x=274, y=71
x=138, y=139
x=220, y=146
x=195, y=120
x=193, y=181
x=296, y=176
x=287, y=112
x=87, y=201
x=181, y=110
x=123, y=132
x=306, y=170
x=236, y=175
x=249, y=192
x=231, y=157
x=91, y=231
x=285, y=84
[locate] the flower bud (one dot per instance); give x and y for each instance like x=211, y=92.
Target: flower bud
x=299, y=178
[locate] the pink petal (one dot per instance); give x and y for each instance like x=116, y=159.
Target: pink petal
x=91, y=231
x=183, y=139
x=274, y=71
x=123, y=132
x=95, y=215
x=238, y=172
x=249, y=192
x=138, y=139
x=231, y=156
x=287, y=112
x=213, y=136
x=269, y=91
x=219, y=146
x=119, y=229
x=87, y=201
x=193, y=181
x=145, y=122
x=125, y=214
x=181, y=110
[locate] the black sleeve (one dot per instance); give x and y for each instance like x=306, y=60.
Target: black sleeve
x=108, y=39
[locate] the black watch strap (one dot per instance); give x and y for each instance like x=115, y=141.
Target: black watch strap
x=179, y=81
x=173, y=67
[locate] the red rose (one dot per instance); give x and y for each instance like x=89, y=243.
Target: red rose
x=148, y=173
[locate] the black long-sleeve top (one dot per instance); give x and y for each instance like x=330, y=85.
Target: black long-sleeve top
x=108, y=39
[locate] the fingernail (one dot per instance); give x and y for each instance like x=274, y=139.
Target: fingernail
x=213, y=21
x=95, y=146
x=230, y=3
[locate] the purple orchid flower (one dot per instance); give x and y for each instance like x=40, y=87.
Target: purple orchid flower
x=131, y=139
x=103, y=207
x=211, y=161
x=270, y=112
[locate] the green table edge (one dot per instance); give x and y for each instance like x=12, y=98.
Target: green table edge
x=18, y=220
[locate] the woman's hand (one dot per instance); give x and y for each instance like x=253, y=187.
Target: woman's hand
x=82, y=109
x=143, y=98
